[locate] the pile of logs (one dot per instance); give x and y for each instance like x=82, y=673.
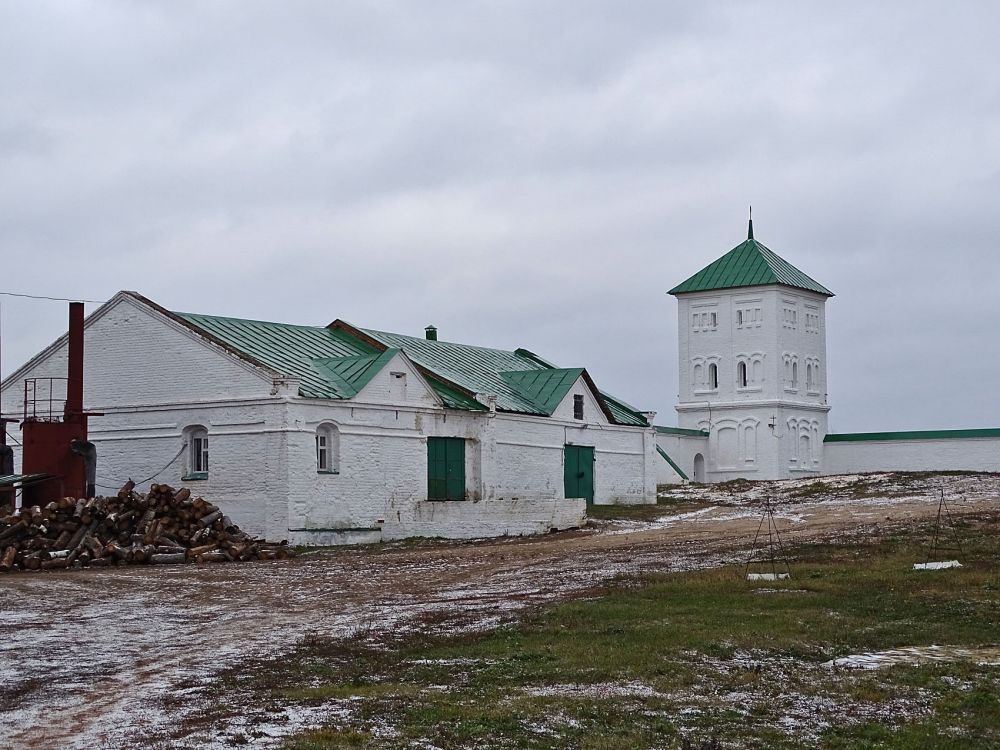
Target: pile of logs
x=163, y=526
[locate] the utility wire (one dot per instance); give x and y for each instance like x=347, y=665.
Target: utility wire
x=38, y=296
x=54, y=299
x=143, y=481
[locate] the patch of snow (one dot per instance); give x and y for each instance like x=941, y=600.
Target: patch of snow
x=937, y=565
x=451, y=662
x=595, y=690
x=989, y=655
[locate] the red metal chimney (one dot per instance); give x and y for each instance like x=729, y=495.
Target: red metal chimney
x=60, y=448
x=74, y=384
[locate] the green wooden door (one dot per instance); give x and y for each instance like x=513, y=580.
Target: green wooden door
x=445, y=468
x=579, y=472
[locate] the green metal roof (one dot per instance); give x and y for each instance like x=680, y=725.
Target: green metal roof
x=622, y=412
x=860, y=437
x=483, y=370
x=289, y=349
x=475, y=368
x=680, y=431
x=337, y=362
x=749, y=264
x=544, y=388
x=452, y=397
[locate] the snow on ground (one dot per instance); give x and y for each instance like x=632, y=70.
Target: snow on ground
x=987, y=655
x=796, y=501
x=93, y=658
x=98, y=658
x=877, y=489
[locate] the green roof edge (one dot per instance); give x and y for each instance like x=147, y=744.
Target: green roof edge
x=680, y=431
x=670, y=461
x=860, y=437
x=450, y=395
x=612, y=401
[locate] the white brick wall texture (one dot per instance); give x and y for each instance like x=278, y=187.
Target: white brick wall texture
x=155, y=380
x=741, y=443
x=952, y=454
x=682, y=449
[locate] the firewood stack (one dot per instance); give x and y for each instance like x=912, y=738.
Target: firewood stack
x=161, y=527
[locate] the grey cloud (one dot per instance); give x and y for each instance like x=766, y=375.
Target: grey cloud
x=521, y=174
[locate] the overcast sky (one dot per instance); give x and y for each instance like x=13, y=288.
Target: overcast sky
x=532, y=174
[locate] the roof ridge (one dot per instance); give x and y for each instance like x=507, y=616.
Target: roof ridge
x=432, y=342
x=249, y=320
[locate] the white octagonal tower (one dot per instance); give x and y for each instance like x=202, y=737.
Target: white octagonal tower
x=752, y=360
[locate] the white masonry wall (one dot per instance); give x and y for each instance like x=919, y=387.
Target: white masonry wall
x=952, y=454
x=155, y=381
x=379, y=490
x=682, y=449
x=514, y=471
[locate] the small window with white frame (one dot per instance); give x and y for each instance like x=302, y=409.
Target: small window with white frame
x=197, y=453
x=327, y=449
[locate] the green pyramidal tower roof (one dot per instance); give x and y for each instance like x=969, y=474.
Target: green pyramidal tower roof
x=749, y=264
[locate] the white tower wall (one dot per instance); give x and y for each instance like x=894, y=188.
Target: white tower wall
x=783, y=354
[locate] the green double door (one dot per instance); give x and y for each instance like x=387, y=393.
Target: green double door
x=445, y=468
x=579, y=472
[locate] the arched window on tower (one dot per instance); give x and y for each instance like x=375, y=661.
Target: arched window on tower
x=741, y=374
x=713, y=376
x=795, y=374
x=809, y=376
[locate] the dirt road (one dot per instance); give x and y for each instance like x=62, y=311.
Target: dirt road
x=99, y=658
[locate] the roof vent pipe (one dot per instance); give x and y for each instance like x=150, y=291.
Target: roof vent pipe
x=431, y=333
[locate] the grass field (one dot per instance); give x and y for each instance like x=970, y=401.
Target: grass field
x=701, y=659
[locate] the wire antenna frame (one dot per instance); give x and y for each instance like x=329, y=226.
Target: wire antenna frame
x=768, y=555
x=942, y=553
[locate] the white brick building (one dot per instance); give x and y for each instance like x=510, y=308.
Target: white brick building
x=753, y=390
x=338, y=434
